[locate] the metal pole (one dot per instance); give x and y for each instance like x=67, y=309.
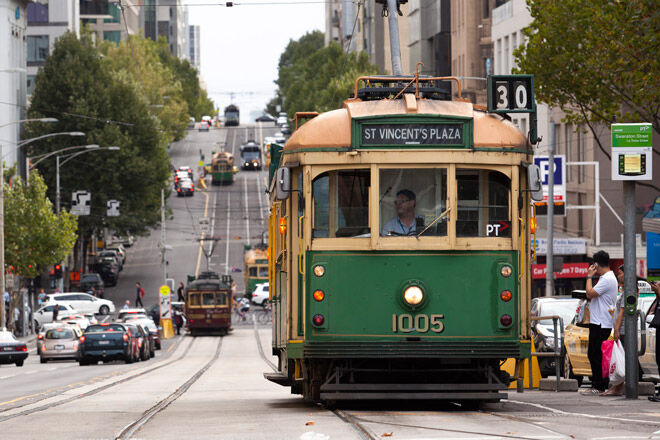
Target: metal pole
x=597, y=189
x=57, y=185
x=162, y=234
x=549, y=280
x=630, y=288
x=3, y=318
x=394, y=38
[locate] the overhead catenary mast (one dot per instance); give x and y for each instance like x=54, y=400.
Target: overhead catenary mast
x=391, y=8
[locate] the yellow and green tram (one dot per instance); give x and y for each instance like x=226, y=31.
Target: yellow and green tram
x=398, y=245
x=222, y=168
x=256, y=268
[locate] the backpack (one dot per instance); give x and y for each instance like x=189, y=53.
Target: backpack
x=141, y=292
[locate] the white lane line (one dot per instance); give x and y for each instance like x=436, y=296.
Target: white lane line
x=227, y=234
x=233, y=143
x=212, y=245
x=247, y=212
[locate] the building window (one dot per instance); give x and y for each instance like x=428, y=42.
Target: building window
x=114, y=36
x=87, y=21
x=569, y=151
x=30, y=83
x=37, y=13
x=37, y=48
x=506, y=56
x=580, y=150
x=113, y=9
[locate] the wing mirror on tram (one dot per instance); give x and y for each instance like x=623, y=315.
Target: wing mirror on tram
x=534, y=182
x=282, y=183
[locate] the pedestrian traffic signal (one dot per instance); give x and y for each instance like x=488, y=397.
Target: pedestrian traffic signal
x=57, y=271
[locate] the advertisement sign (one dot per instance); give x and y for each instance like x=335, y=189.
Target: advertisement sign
x=559, y=187
x=570, y=270
x=653, y=250
x=631, y=151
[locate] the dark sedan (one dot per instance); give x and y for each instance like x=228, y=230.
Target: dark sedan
x=106, y=342
x=12, y=351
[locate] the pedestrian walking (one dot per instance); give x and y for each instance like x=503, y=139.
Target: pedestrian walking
x=139, y=294
x=127, y=305
x=179, y=293
x=654, y=309
x=602, y=298
x=178, y=321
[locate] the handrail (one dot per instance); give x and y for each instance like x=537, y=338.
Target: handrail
x=300, y=250
x=407, y=79
x=556, y=354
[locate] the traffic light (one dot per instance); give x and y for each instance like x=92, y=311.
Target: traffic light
x=57, y=271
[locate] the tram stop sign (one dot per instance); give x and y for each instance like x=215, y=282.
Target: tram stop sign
x=164, y=302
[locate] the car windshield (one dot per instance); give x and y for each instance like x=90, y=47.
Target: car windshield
x=105, y=328
x=59, y=333
x=88, y=279
x=565, y=309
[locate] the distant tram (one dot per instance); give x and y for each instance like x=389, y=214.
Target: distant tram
x=208, y=304
x=232, y=116
x=222, y=168
x=256, y=268
x=399, y=243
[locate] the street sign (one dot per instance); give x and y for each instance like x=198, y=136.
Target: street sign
x=113, y=208
x=81, y=202
x=559, y=187
x=164, y=301
x=632, y=145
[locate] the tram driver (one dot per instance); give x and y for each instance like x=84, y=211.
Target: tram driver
x=405, y=222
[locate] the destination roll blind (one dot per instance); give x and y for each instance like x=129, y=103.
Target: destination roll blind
x=412, y=134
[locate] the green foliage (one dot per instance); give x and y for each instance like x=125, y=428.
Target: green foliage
x=35, y=236
x=317, y=78
x=595, y=59
x=76, y=81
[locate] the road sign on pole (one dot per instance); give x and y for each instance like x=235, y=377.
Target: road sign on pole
x=559, y=183
x=81, y=202
x=632, y=145
x=113, y=208
x=164, y=301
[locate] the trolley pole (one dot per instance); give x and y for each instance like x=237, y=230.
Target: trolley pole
x=630, y=288
x=395, y=48
x=549, y=254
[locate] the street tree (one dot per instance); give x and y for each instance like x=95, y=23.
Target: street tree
x=75, y=86
x=35, y=236
x=595, y=59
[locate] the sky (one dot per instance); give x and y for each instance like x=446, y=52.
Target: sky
x=241, y=46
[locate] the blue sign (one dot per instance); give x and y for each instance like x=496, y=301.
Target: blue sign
x=543, y=164
x=652, y=250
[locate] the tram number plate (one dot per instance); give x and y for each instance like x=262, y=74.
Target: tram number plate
x=407, y=323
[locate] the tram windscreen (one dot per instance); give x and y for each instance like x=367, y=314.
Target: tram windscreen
x=208, y=299
x=483, y=204
x=413, y=202
x=341, y=204
x=193, y=299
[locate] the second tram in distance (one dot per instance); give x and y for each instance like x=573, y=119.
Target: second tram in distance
x=209, y=304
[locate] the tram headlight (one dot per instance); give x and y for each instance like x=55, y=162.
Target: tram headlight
x=413, y=295
x=319, y=270
x=506, y=271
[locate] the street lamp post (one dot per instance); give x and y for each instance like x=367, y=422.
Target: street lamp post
x=3, y=318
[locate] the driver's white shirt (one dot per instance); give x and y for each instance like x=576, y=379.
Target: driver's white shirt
x=396, y=225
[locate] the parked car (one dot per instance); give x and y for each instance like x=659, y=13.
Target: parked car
x=108, y=268
x=204, y=126
x=60, y=342
x=543, y=332
x=265, y=118
x=107, y=253
x=106, y=342
x=151, y=327
x=286, y=130
x=44, y=315
x=126, y=241
x=124, y=312
x=121, y=250
x=82, y=302
x=87, y=280
x=282, y=119
x=12, y=351
x=260, y=294
x=142, y=339
x=185, y=188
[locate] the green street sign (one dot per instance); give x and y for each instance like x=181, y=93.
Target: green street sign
x=632, y=135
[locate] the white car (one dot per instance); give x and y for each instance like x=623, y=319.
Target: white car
x=260, y=294
x=45, y=314
x=82, y=302
x=282, y=119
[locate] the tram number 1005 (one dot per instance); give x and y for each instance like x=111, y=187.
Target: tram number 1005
x=406, y=323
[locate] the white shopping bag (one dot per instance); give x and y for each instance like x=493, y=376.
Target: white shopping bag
x=617, y=364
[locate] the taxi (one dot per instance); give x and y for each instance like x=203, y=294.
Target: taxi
x=576, y=337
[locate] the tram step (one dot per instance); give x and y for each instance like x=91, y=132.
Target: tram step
x=278, y=378
x=412, y=396
x=423, y=387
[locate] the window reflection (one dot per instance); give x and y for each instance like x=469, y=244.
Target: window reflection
x=341, y=204
x=411, y=202
x=483, y=204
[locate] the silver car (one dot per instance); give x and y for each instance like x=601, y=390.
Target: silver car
x=60, y=343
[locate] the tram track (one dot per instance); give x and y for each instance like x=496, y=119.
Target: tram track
x=90, y=392
x=130, y=429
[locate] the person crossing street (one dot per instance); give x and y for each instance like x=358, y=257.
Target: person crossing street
x=139, y=294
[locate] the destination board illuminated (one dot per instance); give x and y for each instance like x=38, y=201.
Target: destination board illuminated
x=412, y=134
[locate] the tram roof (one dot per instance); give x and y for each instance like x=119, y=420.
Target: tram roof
x=252, y=255
x=333, y=129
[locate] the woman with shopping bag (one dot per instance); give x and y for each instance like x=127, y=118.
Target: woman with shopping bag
x=616, y=389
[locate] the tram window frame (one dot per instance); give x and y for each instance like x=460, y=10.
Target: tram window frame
x=207, y=294
x=221, y=298
x=389, y=192
x=483, y=207
x=194, y=296
x=327, y=185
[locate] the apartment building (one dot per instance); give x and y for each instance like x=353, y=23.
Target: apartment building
x=122, y=19
x=194, y=46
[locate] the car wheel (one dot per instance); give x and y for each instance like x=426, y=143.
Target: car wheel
x=129, y=359
x=158, y=346
x=36, y=326
x=43, y=360
x=104, y=310
x=264, y=304
x=19, y=363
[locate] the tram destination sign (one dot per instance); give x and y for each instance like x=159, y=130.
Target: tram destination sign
x=412, y=134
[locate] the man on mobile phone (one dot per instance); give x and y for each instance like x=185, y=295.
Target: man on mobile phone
x=601, y=298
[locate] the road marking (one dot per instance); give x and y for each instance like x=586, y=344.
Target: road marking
x=201, y=243
x=227, y=234
x=247, y=212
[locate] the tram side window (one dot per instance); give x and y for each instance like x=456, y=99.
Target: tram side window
x=341, y=204
x=208, y=299
x=193, y=299
x=221, y=298
x=483, y=204
x=263, y=271
x=252, y=271
x=413, y=201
